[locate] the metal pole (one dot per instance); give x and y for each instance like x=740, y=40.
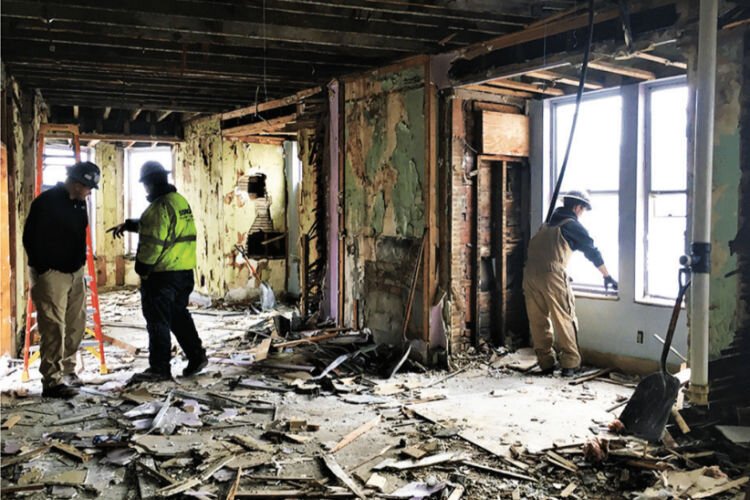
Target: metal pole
x=701, y=234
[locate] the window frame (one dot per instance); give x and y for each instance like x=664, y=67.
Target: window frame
x=580, y=289
x=645, y=192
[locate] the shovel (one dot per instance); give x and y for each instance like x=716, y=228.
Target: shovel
x=646, y=413
x=267, y=297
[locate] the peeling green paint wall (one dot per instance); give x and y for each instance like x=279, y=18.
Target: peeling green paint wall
x=384, y=196
x=207, y=169
x=726, y=182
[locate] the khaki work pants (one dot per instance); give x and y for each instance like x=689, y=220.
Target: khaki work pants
x=60, y=301
x=550, y=304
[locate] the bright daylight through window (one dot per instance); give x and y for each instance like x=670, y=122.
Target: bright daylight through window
x=135, y=194
x=665, y=187
x=594, y=164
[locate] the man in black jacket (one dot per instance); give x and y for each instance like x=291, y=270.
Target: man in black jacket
x=549, y=298
x=54, y=237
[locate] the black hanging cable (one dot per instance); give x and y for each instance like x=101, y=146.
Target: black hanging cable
x=579, y=94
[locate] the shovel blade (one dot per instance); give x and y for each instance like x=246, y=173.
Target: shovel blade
x=646, y=414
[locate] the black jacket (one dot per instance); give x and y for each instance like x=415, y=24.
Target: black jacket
x=54, y=235
x=576, y=235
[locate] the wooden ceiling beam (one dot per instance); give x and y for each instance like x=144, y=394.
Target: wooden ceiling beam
x=499, y=91
x=647, y=56
x=261, y=127
x=639, y=74
x=558, y=78
x=161, y=116
x=265, y=106
x=525, y=87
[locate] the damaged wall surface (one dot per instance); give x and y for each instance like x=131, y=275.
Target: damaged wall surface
x=725, y=200
x=207, y=170
x=384, y=198
x=110, y=211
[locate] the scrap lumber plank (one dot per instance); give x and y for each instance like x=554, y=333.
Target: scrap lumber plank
x=174, y=489
x=11, y=421
x=25, y=457
x=308, y=340
x=499, y=472
x=251, y=443
x=569, y=489
x=684, y=427
x=590, y=376
x=457, y=492
x=362, y=429
x=70, y=450
x=83, y=417
x=232, y=493
x=722, y=488
x=561, y=461
x=342, y=476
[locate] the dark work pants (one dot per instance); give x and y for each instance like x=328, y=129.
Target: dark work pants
x=164, y=300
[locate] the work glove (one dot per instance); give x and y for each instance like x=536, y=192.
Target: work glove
x=609, y=281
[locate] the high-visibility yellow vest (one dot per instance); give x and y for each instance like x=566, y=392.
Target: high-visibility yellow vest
x=166, y=234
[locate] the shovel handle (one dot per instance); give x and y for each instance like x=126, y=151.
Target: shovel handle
x=684, y=280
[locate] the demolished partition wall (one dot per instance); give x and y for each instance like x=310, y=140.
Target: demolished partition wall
x=207, y=171
x=386, y=198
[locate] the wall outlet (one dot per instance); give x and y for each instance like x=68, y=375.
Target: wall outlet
x=639, y=337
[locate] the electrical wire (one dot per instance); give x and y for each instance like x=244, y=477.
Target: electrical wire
x=579, y=95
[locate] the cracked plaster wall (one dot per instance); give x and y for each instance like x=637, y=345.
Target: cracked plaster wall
x=384, y=198
x=207, y=169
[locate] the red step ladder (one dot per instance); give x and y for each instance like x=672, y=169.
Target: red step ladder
x=94, y=327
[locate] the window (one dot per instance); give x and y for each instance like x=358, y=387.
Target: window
x=665, y=186
x=135, y=194
x=594, y=164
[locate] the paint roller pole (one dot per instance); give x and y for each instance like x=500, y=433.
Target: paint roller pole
x=701, y=236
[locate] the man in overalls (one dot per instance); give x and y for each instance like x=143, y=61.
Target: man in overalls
x=549, y=297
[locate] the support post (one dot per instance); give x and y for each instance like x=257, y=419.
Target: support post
x=701, y=234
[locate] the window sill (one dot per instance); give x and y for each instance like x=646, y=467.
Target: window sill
x=657, y=302
x=593, y=294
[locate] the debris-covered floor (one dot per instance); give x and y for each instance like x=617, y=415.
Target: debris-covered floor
x=310, y=414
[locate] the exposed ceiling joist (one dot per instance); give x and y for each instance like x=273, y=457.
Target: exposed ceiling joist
x=639, y=74
x=558, y=78
x=525, y=87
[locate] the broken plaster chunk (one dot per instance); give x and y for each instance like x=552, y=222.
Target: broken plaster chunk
x=377, y=482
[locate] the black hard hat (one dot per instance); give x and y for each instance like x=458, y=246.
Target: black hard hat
x=582, y=196
x=152, y=168
x=86, y=173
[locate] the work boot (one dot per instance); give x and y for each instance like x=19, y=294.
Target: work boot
x=569, y=372
x=61, y=391
x=546, y=371
x=72, y=380
x=194, y=366
x=150, y=375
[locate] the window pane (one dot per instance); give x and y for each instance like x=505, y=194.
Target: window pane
x=668, y=138
x=665, y=243
x=135, y=191
x=602, y=225
x=594, y=161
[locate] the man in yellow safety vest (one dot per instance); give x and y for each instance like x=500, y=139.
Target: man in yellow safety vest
x=165, y=261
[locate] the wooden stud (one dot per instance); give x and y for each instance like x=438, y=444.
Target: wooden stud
x=639, y=74
x=429, y=260
x=134, y=114
x=106, y=112
x=76, y=111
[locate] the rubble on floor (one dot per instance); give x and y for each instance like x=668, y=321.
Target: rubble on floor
x=289, y=411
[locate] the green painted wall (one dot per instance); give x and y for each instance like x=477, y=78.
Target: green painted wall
x=726, y=181
x=384, y=196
